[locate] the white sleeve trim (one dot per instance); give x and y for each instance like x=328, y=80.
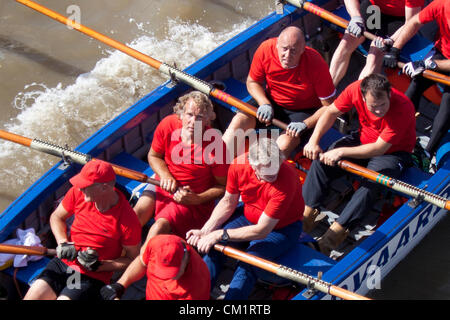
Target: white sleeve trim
x=331, y=95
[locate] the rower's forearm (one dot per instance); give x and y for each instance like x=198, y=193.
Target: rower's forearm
x=212, y=193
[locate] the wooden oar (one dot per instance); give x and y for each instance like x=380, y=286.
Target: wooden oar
x=30, y=250
x=288, y=273
x=75, y=156
x=341, y=22
x=395, y=184
x=192, y=81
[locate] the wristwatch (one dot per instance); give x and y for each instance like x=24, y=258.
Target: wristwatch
x=225, y=236
x=430, y=64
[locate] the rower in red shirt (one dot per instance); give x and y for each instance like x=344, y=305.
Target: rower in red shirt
x=269, y=223
x=384, y=143
x=437, y=60
x=191, y=167
x=174, y=270
x=290, y=82
x=105, y=236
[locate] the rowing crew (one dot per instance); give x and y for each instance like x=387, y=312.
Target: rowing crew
x=288, y=80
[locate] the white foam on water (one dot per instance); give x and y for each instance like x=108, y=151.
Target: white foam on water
x=69, y=115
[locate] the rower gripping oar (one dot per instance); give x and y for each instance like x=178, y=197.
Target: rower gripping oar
x=288, y=273
x=341, y=22
x=192, y=81
x=394, y=184
x=75, y=156
x=29, y=250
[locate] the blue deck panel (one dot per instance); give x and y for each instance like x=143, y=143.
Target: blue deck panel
x=29, y=273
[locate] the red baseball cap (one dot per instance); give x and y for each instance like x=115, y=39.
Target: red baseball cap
x=95, y=171
x=168, y=251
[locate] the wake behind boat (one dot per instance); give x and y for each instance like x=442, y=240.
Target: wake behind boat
x=361, y=262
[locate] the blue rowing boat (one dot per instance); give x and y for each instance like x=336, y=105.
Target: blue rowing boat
x=359, y=265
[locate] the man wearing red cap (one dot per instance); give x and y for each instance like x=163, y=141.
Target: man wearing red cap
x=104, y=226
x=175, y=271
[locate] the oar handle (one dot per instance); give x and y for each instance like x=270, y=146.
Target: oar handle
x=132, y=174
x=30, y=250
x=343, y=23
x=288, y=273
x=245, y=107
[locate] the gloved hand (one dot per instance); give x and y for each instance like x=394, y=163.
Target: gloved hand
x=383, y=43
x=356, y=26
x=265, y=113
x=66, y=250
x=415, y=68
x=391, y=57
x=89, y=259
x=112, y=291
x=297, y=128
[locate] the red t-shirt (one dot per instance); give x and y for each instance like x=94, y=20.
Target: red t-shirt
x=295, y=89
x=105, y=232
x=194, y=284
x=396, y=7
x=397, y=126
x=281, y=199
x=439, y=11
x=193, y=165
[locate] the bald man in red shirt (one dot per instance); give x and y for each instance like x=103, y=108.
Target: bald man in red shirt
x=289, y=82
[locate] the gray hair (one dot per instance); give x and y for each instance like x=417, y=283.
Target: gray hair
x=264, y=151
x=200, y=99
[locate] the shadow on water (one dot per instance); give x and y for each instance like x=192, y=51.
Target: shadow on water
x=43, y=59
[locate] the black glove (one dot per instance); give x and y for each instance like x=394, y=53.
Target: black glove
x=89, y=259
x=112, y=291
x=391, y=57
x=66, y=250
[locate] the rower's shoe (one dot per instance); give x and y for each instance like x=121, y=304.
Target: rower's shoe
x=332, y=238
x=309, y=219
